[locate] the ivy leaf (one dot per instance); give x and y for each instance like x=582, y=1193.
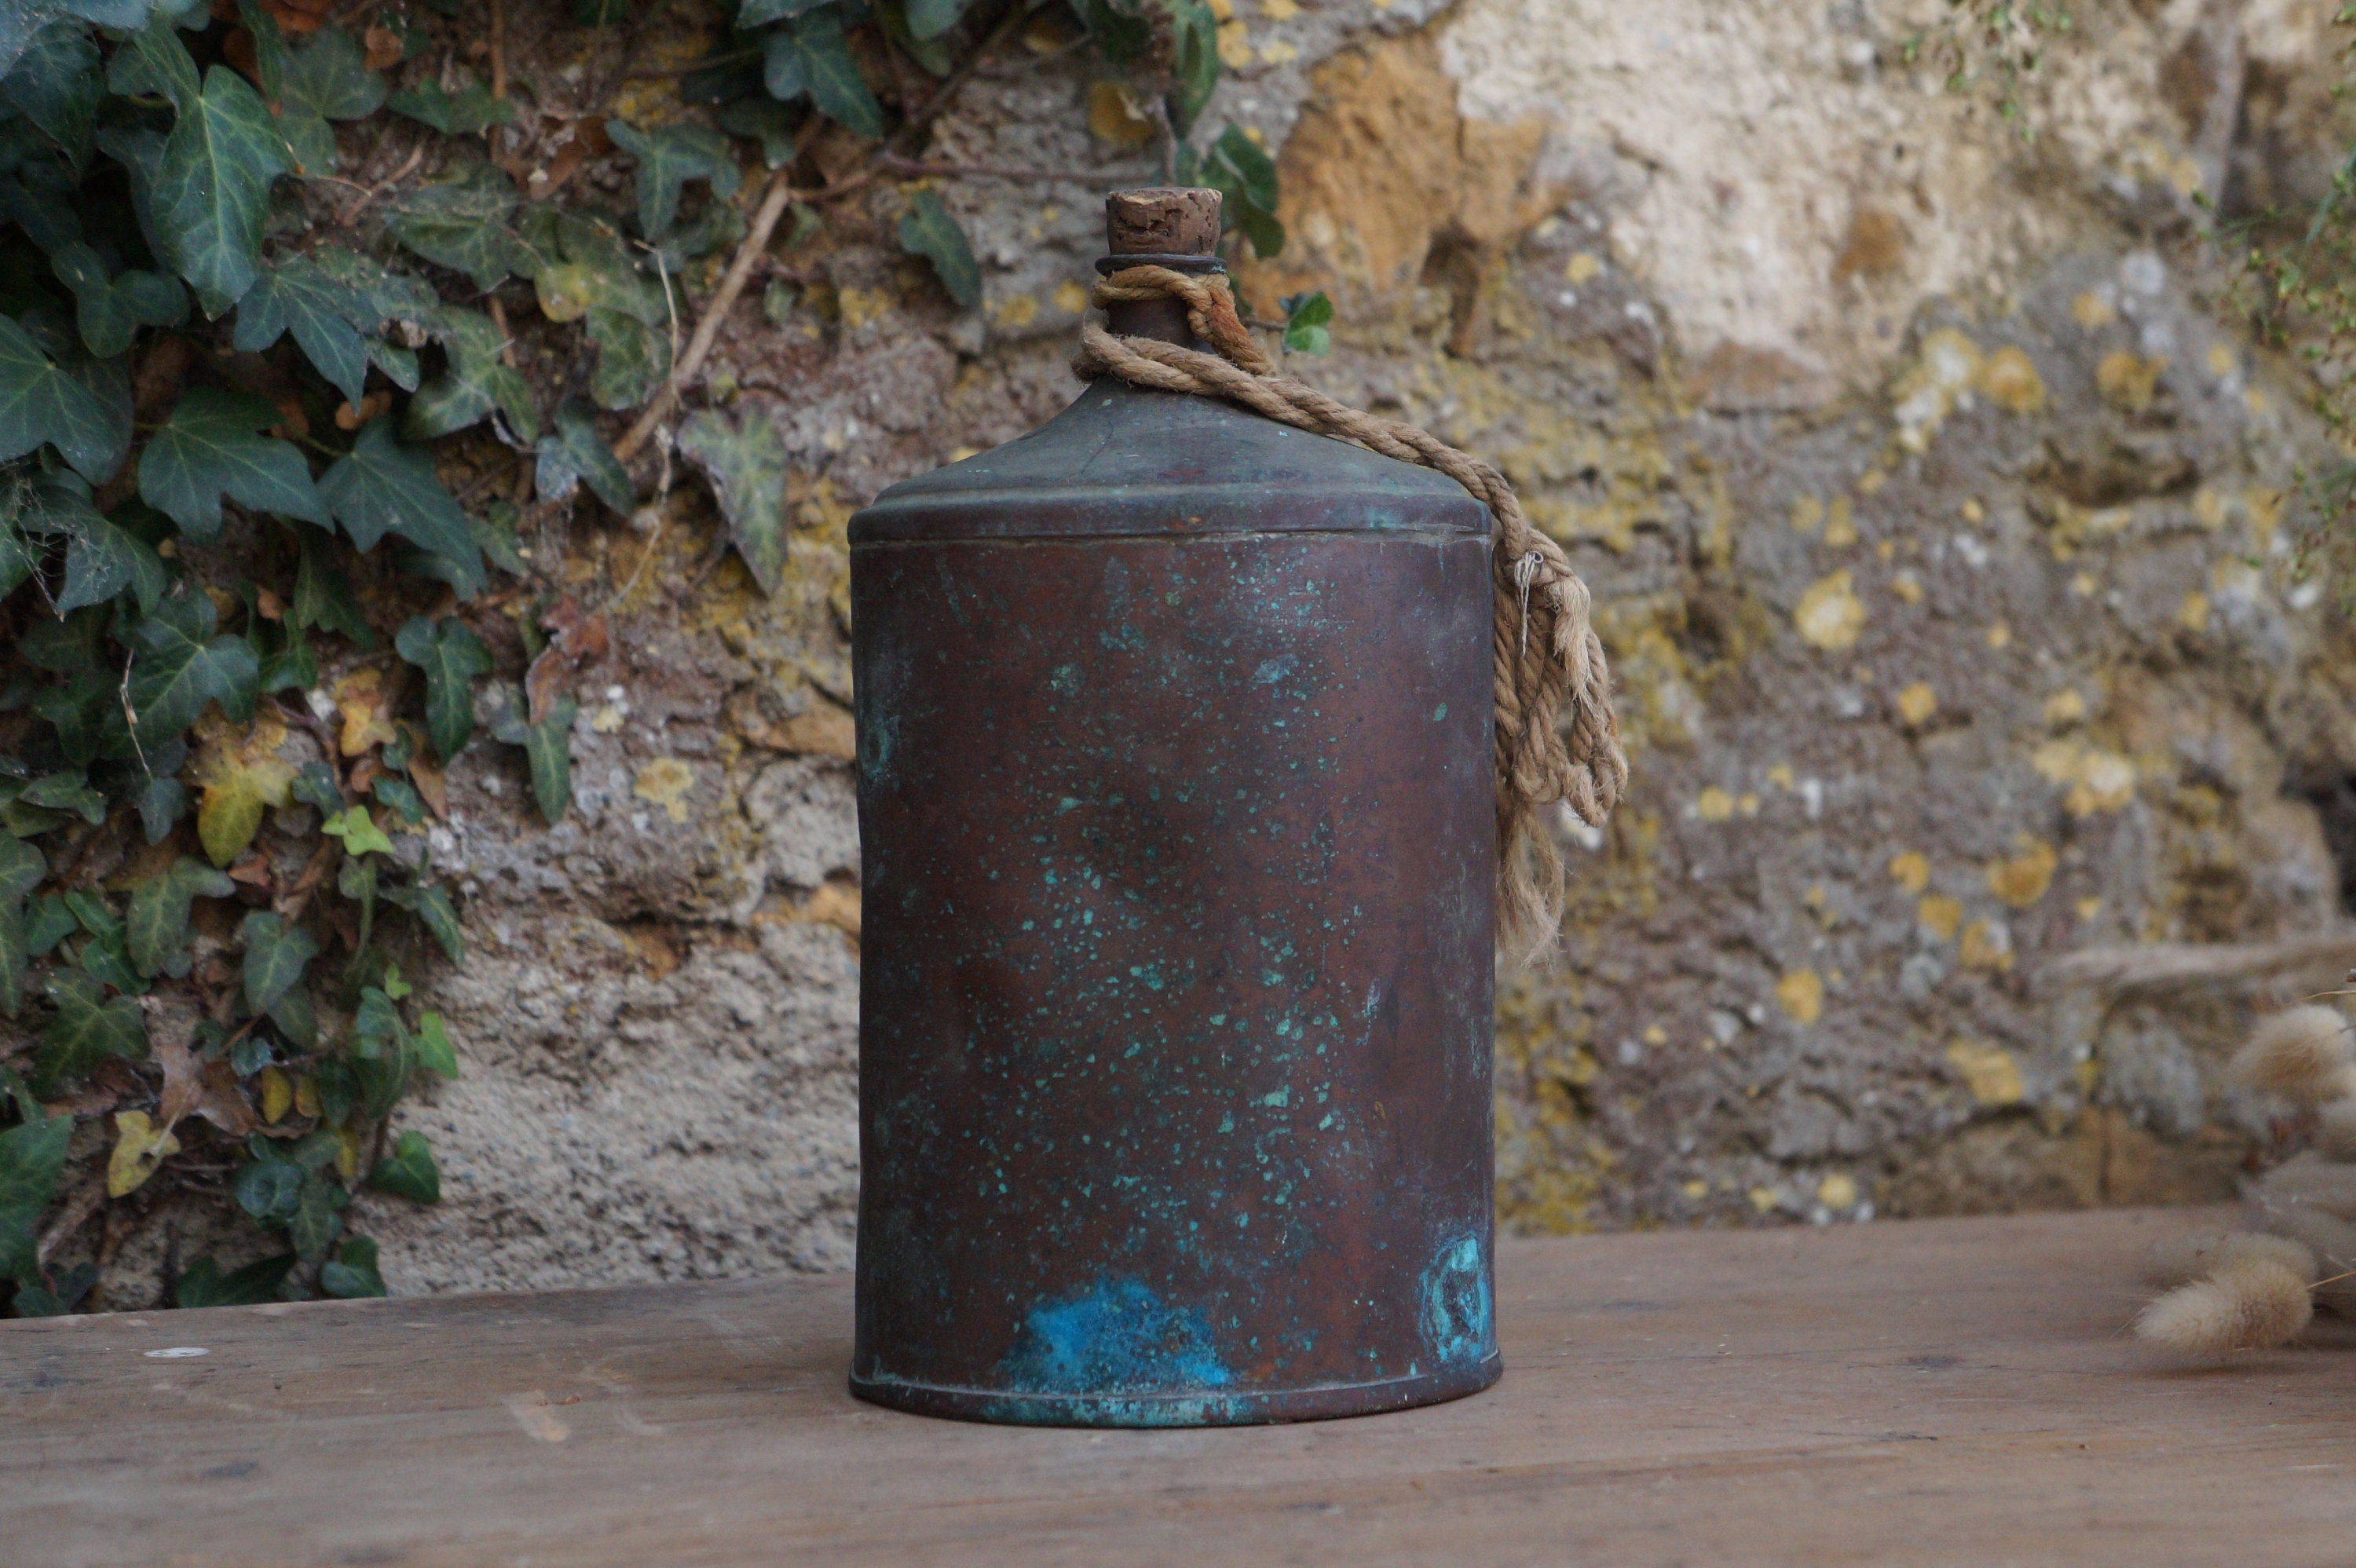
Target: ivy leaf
x=575, y=452
x=41, y=401
x=213, y=186
x=770, y=124
x=269, y=48
x=156, y=62
x=755, y=13
x=669, y=156
x=155, y=925
x=931, y=18
x=327, y=79
x=180, y=666
x=1118, y=30
x=88, y=1029
x=269, y=1189
x=383, y=486
x=275, y=957
x=1243, y=174
x=91, y=912
x=18, y=558
x=32, y=1158
x=470, y=110
x=315, y=1224
x=451, y=656
x=359, y=831
x=103, y=960
x=1194, y=39
x=242, y=776
x=57, y=84
x=326, y=314
x=22, y=868
x=460, y=223
x=111, y=311
x=161, y=803
x=66, y=791
x=434, y=1047
x=81, y=709
x=324, y=599
x=745, y=461
x=204, y=1284
x=1307, y=322
x=101, y=558
x=13, y=956
x=928, y=230
x=397, y=793
x=809, y=55
x=409, y=1171
x=45, y=212
x=633, y=358
x=316, y=786
x=476, y=383
x=353, y=1276
x=432, y=907
x=548, y=748
x=208, y=449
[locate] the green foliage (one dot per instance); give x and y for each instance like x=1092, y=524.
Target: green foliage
x=32, y=1156
x=744, y=459
x=576, y=452
x=209, y=449
x=326, y=314
x=1307, y=322
x=668, y=157
x=180, y=665
x=452, y=658
x=213, y=185
x=547, y=748
x=461, y=113
x=810, y=55
x=88, y=1027
x=1243, y=174
x=42, y=402
x=155, y=925
x=409, y=1171
x=381, y=487
x=201, y=705
x=354, y=1273
x=929, y=231
x=204, y=1284
x=109, y=311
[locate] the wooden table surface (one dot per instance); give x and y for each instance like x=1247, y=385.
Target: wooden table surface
x=1952, y=1391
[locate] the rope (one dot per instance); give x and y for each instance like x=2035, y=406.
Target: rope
x=1556, y=736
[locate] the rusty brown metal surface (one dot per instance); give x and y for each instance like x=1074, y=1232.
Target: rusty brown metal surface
x=1176, y=985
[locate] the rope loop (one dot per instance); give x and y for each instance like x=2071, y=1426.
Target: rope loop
x=1557, y=738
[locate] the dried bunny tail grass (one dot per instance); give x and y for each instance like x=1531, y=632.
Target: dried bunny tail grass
x=2180, y=1259
x=2301, y=1053
x=2251, y=1303
x=2335, y=1131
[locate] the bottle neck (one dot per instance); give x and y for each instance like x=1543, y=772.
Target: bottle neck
x=1163, y=320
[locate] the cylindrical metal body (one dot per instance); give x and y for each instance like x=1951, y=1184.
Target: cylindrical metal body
x=1175, y=814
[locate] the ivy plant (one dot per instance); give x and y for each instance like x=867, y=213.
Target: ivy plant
x=247, y=623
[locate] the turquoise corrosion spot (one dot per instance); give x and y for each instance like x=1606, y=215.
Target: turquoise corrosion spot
x=1456, y=1317
x=1118, y=1336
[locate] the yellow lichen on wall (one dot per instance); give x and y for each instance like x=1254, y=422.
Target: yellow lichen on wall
x=1381, y=169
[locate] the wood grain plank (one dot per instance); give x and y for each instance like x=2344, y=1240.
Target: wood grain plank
x=1942, y=1392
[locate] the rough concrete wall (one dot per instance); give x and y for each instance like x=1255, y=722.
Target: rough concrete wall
x=1936, y=517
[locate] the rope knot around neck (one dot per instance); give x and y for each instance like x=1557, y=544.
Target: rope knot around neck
x=1557, y=738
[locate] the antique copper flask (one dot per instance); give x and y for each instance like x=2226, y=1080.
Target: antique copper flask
x=1175, y=805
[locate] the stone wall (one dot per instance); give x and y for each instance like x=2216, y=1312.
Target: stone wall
x=1936, y=512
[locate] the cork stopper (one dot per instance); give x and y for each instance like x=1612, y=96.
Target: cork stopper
x=1165, y=220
